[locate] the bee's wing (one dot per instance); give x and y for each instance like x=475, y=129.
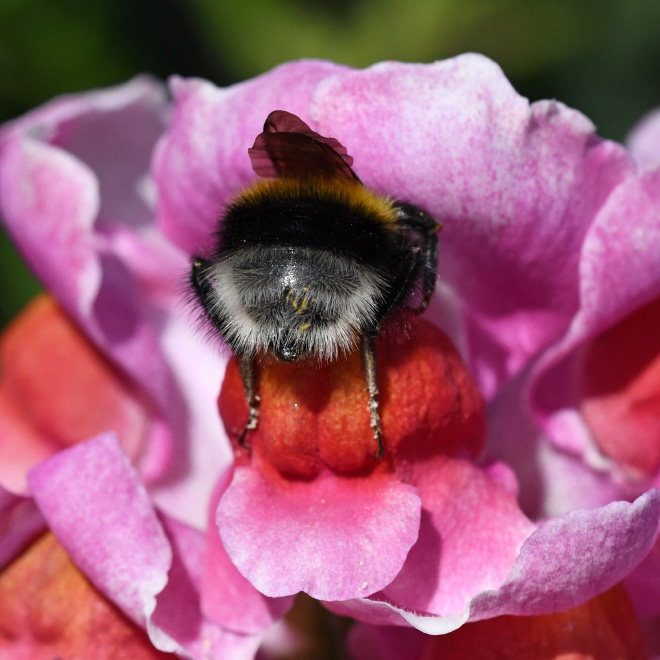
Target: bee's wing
x=288, y=148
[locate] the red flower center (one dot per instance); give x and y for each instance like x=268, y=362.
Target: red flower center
x=316, y=415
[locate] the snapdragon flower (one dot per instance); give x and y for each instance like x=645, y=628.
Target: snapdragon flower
x=109, y=194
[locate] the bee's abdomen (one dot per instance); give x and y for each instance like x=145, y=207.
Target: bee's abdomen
x=309, y=300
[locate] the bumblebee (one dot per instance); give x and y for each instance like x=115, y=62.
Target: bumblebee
x=309, y=263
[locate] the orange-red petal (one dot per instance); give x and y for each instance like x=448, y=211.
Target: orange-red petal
x=604, y=628
x=313, y=415
x=56, y=390
x=622, y=390
x=48, y=609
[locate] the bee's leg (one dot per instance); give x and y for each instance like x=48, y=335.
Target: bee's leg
x=369, y=371
x=249, y=376
x=421, y=222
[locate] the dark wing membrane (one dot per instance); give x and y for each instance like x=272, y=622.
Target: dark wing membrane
x=281, y=121
x=288, y=148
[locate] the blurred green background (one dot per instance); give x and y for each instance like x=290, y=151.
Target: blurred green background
x=600, y=56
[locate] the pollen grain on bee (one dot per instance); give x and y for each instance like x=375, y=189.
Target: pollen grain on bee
x=303, y=306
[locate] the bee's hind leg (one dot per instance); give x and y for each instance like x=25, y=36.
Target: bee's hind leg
x=370, y=376
x=248, y=366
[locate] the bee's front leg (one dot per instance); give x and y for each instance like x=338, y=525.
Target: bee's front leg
x=248, y=366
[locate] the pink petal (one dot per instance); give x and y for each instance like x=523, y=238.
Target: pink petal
x=201, y=450
x=237, y=605
x=618, y=273
x=93, y=501
x=77, y=156
x=572, y=559
x=470, y=535
x=203, y=161
x=644, y=141
x=20, y=522
x=552, y=481
x=112, y=132
x=516, y=187
x=384, y=613
x=75, y=208
x=86, y=227
x=562, y=564
x=178, y=612
x=50, y=199
x=643, y=584
x=332, y=537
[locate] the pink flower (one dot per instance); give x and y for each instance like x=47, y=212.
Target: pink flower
x=518, y=188
x=77, y=197
x=76, y=193
x=596, y=389
x=109, y=194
